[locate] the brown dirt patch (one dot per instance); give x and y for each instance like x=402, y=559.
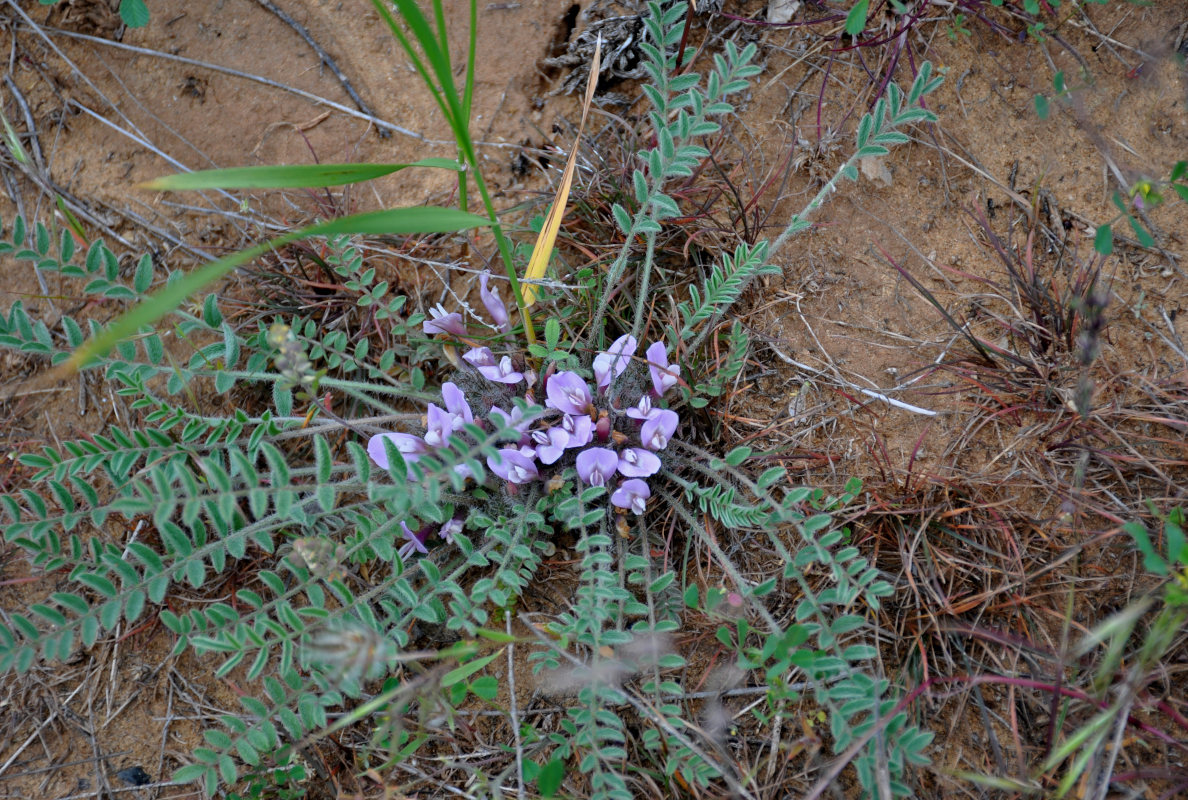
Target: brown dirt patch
x=989, y=490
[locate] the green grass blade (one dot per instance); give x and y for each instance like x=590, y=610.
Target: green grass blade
x=439, y=61
x=434, y=64
x=472, y=44
x=442, y=35
x=418, y=63
x=311, y=176
x=418, y=219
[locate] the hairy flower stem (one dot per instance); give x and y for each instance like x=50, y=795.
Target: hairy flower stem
x=720, y=557
x=613, y=276
x=799, y=222
x=641, y=300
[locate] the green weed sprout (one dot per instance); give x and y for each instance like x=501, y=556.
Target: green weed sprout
x=1123, y=671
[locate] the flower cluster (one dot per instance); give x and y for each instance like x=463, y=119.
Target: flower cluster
x=609, y=440
x=587, y=426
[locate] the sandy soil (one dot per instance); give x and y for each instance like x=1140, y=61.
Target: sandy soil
x=841, y=319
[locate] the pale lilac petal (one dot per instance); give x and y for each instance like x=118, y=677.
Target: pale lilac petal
x=410, y=447
x=612, y=363
x=643, y=409
x=440, y=426
x=658, y=429
x=596, y=465
x=664, y=375
x=503, y=372
x=631, y=495
x=442, y=322
x=513, y=466
x=415, y=542
x=550, y=444
x=635, y=462
x=480, y=356
x=515, y=420
x=580, y=430
x=450, y=529
x=455, y=402
x=568, y=393
x=495, y=306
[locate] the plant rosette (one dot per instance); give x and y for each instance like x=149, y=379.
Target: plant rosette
x=609, y=438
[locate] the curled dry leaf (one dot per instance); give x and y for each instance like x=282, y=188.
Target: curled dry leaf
x=781, y=11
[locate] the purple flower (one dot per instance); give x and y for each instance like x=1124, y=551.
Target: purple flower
x=580, y=430
x=658, y=429
x=410, y=447
x=612, y=363
x=514, y=466
x=442, y=424
x=568, y=393
x=498, y=372
x=480, y=356
x=503, y=372
x=515, y=420
x=643, y=410
x=550, y=444
x=448, y=530
x=631, y=495
x=415, y=542
x=596, y=465
x=442, y=322
x=664, y=375
x=635, y=462
x=455, y=402
x=495, y=306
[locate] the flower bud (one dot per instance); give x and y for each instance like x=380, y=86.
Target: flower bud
x=602, y=427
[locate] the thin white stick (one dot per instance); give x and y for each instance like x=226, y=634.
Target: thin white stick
x=898, y=403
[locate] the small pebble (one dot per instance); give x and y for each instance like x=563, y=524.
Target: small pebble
x=134, y=776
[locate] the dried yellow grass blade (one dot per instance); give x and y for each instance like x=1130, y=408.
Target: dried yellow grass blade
x=548, y=234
